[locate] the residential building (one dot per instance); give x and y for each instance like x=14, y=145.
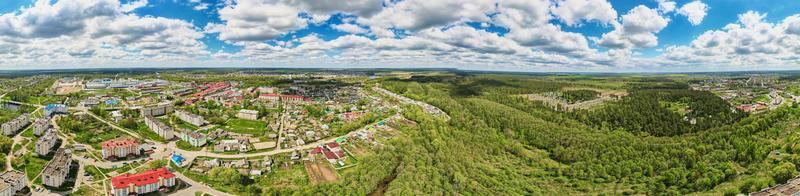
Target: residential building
x=159, y=127
x=292, y=98
x=46, y=143
x=248, y=114
x=142, y=183
x=157, y=110
x=12, y=182
x=190, y=118
x=55, y=172
x=40, y=125
x=269, y=97
x=116, y=148
x=52, y=109
x=12, y=127
x=194, y=138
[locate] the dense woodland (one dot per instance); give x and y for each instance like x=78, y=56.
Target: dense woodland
x=500, y=143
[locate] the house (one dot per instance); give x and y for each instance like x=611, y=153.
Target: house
x=12, y=182
x=159, y=127
x=241, y=163
x=12, y=127
x=190, y=118
x=351, y=116
x=231, y=145
x=55, y=172
x=218, y=133
x=117, y=148
x=142, y=183
x=211, y=163
x=331, y=151
x=248, y=114
x=116, y=115
x=40, y=125
x=46, y=143
x=194, y=138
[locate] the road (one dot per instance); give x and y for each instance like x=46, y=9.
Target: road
x=196, y=186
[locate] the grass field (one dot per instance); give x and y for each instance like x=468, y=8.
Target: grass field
x=253, y=127
x=186, y=146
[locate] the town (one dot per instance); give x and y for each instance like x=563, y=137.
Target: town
x=167, y=133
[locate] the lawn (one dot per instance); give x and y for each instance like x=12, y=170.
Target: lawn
x=253, y=127
x=186, y=146
x=145, y=131
x=31, y=164
x=89, y=131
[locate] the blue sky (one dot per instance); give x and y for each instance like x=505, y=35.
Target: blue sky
x=512, y=35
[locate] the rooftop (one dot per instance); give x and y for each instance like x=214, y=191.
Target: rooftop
x=141, y=179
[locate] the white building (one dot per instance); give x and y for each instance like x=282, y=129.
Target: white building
x=248, y=114
x=158, y=110
x=194, y=138
x=190, y=118
x=45, y=143
x=118, y=148
x=11, y=182
x=40, y=125
x=159, y=127
x=12, y=127
x=55, y=172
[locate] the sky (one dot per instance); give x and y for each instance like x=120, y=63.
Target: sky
x=500, y=35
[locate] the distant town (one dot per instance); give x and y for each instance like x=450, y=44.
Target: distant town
x=166, y=133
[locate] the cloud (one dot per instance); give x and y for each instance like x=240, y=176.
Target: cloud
x=572, y=12
x=83, y=32
x=416, y=15
x=350, y=28
x=46, y=20
x=750, y=42
x=666, y=6
x=256, y=20
x=133, y=5
x=637, y=30
x=695, y=11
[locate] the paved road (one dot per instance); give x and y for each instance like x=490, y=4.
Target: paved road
x=196, y=186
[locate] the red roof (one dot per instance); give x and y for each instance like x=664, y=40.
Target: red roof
x=332, y=145
x=316, y=150
x=120, y=143
x=141, y=179
x=330, y=155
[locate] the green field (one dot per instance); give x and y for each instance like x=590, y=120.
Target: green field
x=253, y=127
